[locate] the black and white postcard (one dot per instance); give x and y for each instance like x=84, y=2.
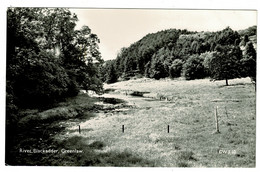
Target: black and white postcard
x=130, y=87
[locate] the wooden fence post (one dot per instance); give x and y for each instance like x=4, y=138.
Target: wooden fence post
x=79, y=129
x=216, y=120
x=226, y=111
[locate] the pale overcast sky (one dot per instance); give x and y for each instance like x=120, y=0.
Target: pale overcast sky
x=117, y=28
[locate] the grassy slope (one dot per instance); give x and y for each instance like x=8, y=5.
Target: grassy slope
x=190, y=114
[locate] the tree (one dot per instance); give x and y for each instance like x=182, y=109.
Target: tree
x=248, y=62
x=176, y=68
x=42, y=82
x=153, y=55
x=193, y=68
x=225, y=63
x=244, y=40
x=250, y=50
x=157, y=69
x=129, y=66
x=134, y=59
x=111, y=74
x=227, y=37
x=249, y=31
x=64, y=59
x=47, y=61
x=147, y=69
x=207, y=56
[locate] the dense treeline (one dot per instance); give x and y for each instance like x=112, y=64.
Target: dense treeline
x=47, y=59
x=224, y=54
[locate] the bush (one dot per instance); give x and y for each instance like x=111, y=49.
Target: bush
x=193, y=68
x=175, y=68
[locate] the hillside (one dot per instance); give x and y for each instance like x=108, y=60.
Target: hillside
x=165, y=53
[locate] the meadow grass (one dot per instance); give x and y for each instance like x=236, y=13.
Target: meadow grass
x=188, y=111
x=192, y=141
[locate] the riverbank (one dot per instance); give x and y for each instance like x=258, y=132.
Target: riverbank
x=36, y=139
x=144, y=122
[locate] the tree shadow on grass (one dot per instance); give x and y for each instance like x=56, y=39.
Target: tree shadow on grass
x=236, y=84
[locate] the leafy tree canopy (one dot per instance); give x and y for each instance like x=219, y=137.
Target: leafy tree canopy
x=155, y=54
x=225, y=63
x=47, y=59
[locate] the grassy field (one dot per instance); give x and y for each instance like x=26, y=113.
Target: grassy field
x=188, y=107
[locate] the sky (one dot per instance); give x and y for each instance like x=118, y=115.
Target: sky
x=118, y=28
